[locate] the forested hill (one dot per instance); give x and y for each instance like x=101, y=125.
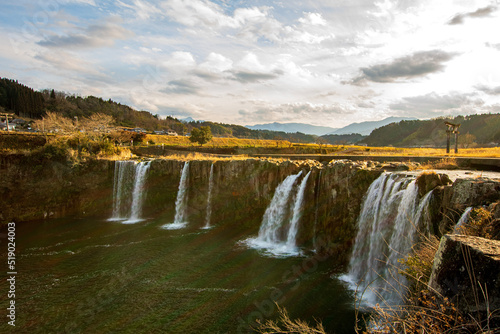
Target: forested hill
x=22, y=100
x=27, y=103
x=474, y=130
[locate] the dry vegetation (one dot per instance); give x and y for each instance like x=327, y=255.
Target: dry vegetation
x=285, y=325
x=218, y=142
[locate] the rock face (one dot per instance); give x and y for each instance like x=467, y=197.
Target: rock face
x=33, y=189
x=244, y=188
x=463, y=193
x=464, y=267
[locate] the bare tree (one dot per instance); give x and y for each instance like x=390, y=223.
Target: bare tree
x=96, y=125
x=54, y=122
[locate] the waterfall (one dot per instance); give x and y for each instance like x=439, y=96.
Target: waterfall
x=279, y=226
x=123, y=172
x=297, y=213
x=128, y=191
x=180, y=202
x=388, y=221
x=463, y=220
x=138, y=192
x=209, y=198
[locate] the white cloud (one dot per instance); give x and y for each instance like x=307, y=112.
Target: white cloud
x=143, y=10
x=273, y=61
x=216, y=62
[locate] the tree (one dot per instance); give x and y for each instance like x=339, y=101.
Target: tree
x=54, y=122
x=468, y=140
x=97, y=124
x=201, y=136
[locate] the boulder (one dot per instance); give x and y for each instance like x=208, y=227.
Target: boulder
x=474, y=192
x=427, y=181
x=466, y=269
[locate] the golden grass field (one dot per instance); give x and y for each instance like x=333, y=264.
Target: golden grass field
x=286, y=147
x=493, y=152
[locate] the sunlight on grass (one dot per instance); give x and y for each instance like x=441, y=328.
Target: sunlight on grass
x=300, y=148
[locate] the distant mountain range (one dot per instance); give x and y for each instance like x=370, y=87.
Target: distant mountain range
x=293, y=127
x=365, y=128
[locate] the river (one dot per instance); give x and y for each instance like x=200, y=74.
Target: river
x=98, y=276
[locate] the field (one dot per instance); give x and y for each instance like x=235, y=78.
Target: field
x=286, y=147
x=13, y=141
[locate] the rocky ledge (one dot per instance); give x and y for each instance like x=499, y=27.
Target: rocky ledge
x=466, y=269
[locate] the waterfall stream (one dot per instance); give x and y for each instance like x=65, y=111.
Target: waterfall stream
x=209, y=198
x=138, y=192
x=388, y=222
x=280, y=223
x=297, y=214
x=180, y=202
x=464, y=218
x=128, y=190
x=123, y=171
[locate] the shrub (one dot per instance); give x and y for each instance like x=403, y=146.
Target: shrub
x=481, y=223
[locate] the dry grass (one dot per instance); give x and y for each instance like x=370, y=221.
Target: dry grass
x=445, y=163
x=201, y=156
x=285, y=325
x=424, y=310
x=481, y=223
x=218, y=142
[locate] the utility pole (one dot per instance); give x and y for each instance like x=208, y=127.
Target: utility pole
x=452, y=128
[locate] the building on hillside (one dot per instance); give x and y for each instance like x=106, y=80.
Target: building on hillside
x=172, y=133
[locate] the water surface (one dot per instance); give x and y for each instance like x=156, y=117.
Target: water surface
x=98, y=276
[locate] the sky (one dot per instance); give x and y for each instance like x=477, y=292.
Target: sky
x=320, y=62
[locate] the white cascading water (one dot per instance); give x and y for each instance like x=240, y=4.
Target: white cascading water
x=297, y=214
x=464, y=218
x=180, y=202
x=124, y=171
x=128, y=190
x=390, y=215
x=209, y=198
x=138, y=192
x=279, y=226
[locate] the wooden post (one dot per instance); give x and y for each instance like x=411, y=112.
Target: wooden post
x=448, y=135
x=452, y=128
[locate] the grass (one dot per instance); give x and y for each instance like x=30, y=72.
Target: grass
x=286, y=147
x=217, y=142
x=286, y=325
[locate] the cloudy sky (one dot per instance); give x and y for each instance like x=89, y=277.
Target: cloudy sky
x=321, y=62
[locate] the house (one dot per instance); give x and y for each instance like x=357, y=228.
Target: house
x=172, y=133
x=139, y=130
x=18, y=121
